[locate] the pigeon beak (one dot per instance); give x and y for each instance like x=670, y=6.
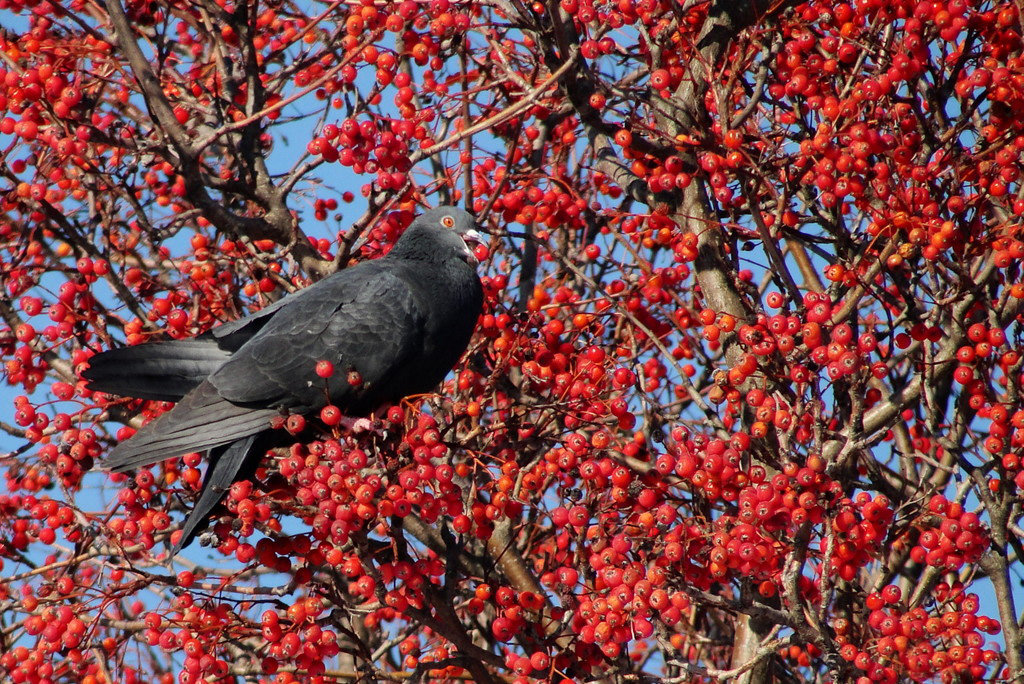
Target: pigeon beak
x=469, y=238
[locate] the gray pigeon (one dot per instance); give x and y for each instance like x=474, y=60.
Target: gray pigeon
x=400, y=322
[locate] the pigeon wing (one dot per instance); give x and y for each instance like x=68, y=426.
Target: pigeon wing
x=367, y=321
x=226, y=465
x=201, y=420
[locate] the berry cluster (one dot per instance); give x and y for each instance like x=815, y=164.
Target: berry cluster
x=752, y=339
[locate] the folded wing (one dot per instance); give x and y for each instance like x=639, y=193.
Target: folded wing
x=367, y=323
x=201, y=420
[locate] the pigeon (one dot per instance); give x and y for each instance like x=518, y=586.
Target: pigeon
x=391, y=327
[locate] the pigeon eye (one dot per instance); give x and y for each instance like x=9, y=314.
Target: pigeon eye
x=447, y=221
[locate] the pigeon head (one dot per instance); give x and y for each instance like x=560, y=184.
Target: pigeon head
x=442, y=232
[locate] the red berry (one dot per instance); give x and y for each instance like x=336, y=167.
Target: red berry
x=330, y=415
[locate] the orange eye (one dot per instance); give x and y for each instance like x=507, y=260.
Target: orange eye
x=447, y=221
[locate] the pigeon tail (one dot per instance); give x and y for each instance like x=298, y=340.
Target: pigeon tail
x=159, y=371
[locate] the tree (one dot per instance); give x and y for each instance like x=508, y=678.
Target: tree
x=745, y=402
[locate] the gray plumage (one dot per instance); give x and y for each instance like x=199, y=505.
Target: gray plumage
x=401, y=322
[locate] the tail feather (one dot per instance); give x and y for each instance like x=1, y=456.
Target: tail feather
x=201, y=420
x=160, y=371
